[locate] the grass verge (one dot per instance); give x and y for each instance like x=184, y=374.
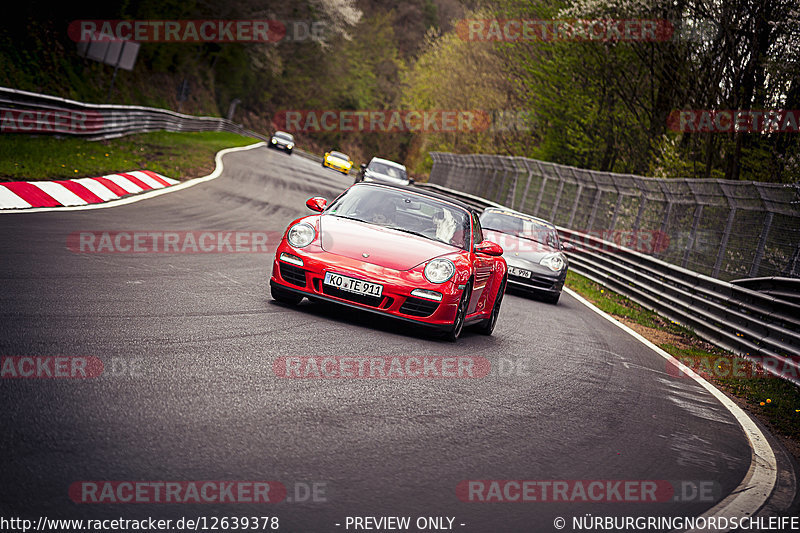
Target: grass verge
x=176, y=155
x=774, y=401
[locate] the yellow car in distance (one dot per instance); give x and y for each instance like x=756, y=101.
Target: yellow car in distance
x=337, y=161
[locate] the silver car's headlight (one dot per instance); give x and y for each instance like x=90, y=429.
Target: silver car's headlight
x=274, y=140
x=290, y=146
x=300, y=235
x=439, y=270
x=554, y=262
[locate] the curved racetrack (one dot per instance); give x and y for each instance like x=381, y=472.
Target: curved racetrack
x=198, y=335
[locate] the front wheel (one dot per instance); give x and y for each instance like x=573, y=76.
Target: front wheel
x=461, y=313
x=487, y=326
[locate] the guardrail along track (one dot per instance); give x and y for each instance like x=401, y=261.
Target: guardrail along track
x=27, y=112
x=753, y=324
x=722, y=228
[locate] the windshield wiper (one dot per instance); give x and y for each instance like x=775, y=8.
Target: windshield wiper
x=530, y=239
x=347, y=217
x=404, y=230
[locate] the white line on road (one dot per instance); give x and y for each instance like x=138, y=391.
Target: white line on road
x=753, y=491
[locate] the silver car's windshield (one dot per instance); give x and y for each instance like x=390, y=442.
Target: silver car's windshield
x=520, y=226
x=388, y=170
x=407, y=212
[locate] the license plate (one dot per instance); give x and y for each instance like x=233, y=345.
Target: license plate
x=357, y=286
x=519, y=272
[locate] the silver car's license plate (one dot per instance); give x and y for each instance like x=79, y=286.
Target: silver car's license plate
x=349, y=284
x=519, y=272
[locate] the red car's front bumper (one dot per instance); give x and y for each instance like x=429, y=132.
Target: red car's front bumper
x=395, y=300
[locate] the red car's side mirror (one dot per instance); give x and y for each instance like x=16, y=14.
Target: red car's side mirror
x=489, y=248
x=316, y=203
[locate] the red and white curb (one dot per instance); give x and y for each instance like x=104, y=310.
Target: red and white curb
x=83, y=191
x=96, y=193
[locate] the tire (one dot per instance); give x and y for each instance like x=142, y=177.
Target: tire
x=289, y=152
x=487, y=326
x=285, y=297
x=454, y=332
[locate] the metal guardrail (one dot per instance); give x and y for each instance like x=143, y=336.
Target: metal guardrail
x=308, y=155
x=781, y=288
x=755, y=325
x=27, y=112
x=723, y=228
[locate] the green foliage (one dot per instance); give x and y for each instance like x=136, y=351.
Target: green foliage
x=430, y=14
x=595, y=104
x=176, y=155
x=454, y=74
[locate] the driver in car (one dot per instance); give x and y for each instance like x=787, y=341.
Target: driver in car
x=384, y=214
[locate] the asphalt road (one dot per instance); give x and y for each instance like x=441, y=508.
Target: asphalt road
x=188, y=393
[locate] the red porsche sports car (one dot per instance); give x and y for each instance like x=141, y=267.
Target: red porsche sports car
x=406, y=253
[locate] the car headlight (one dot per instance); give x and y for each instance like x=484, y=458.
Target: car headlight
x=554, y=262
x=274, y=141
x=300, y=235
x=290, y=146
x=439, y=270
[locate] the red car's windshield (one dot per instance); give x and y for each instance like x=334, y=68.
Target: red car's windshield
x=405, y=211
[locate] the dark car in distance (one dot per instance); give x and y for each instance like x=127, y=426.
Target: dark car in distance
x=532, y=249
x=282, y=141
